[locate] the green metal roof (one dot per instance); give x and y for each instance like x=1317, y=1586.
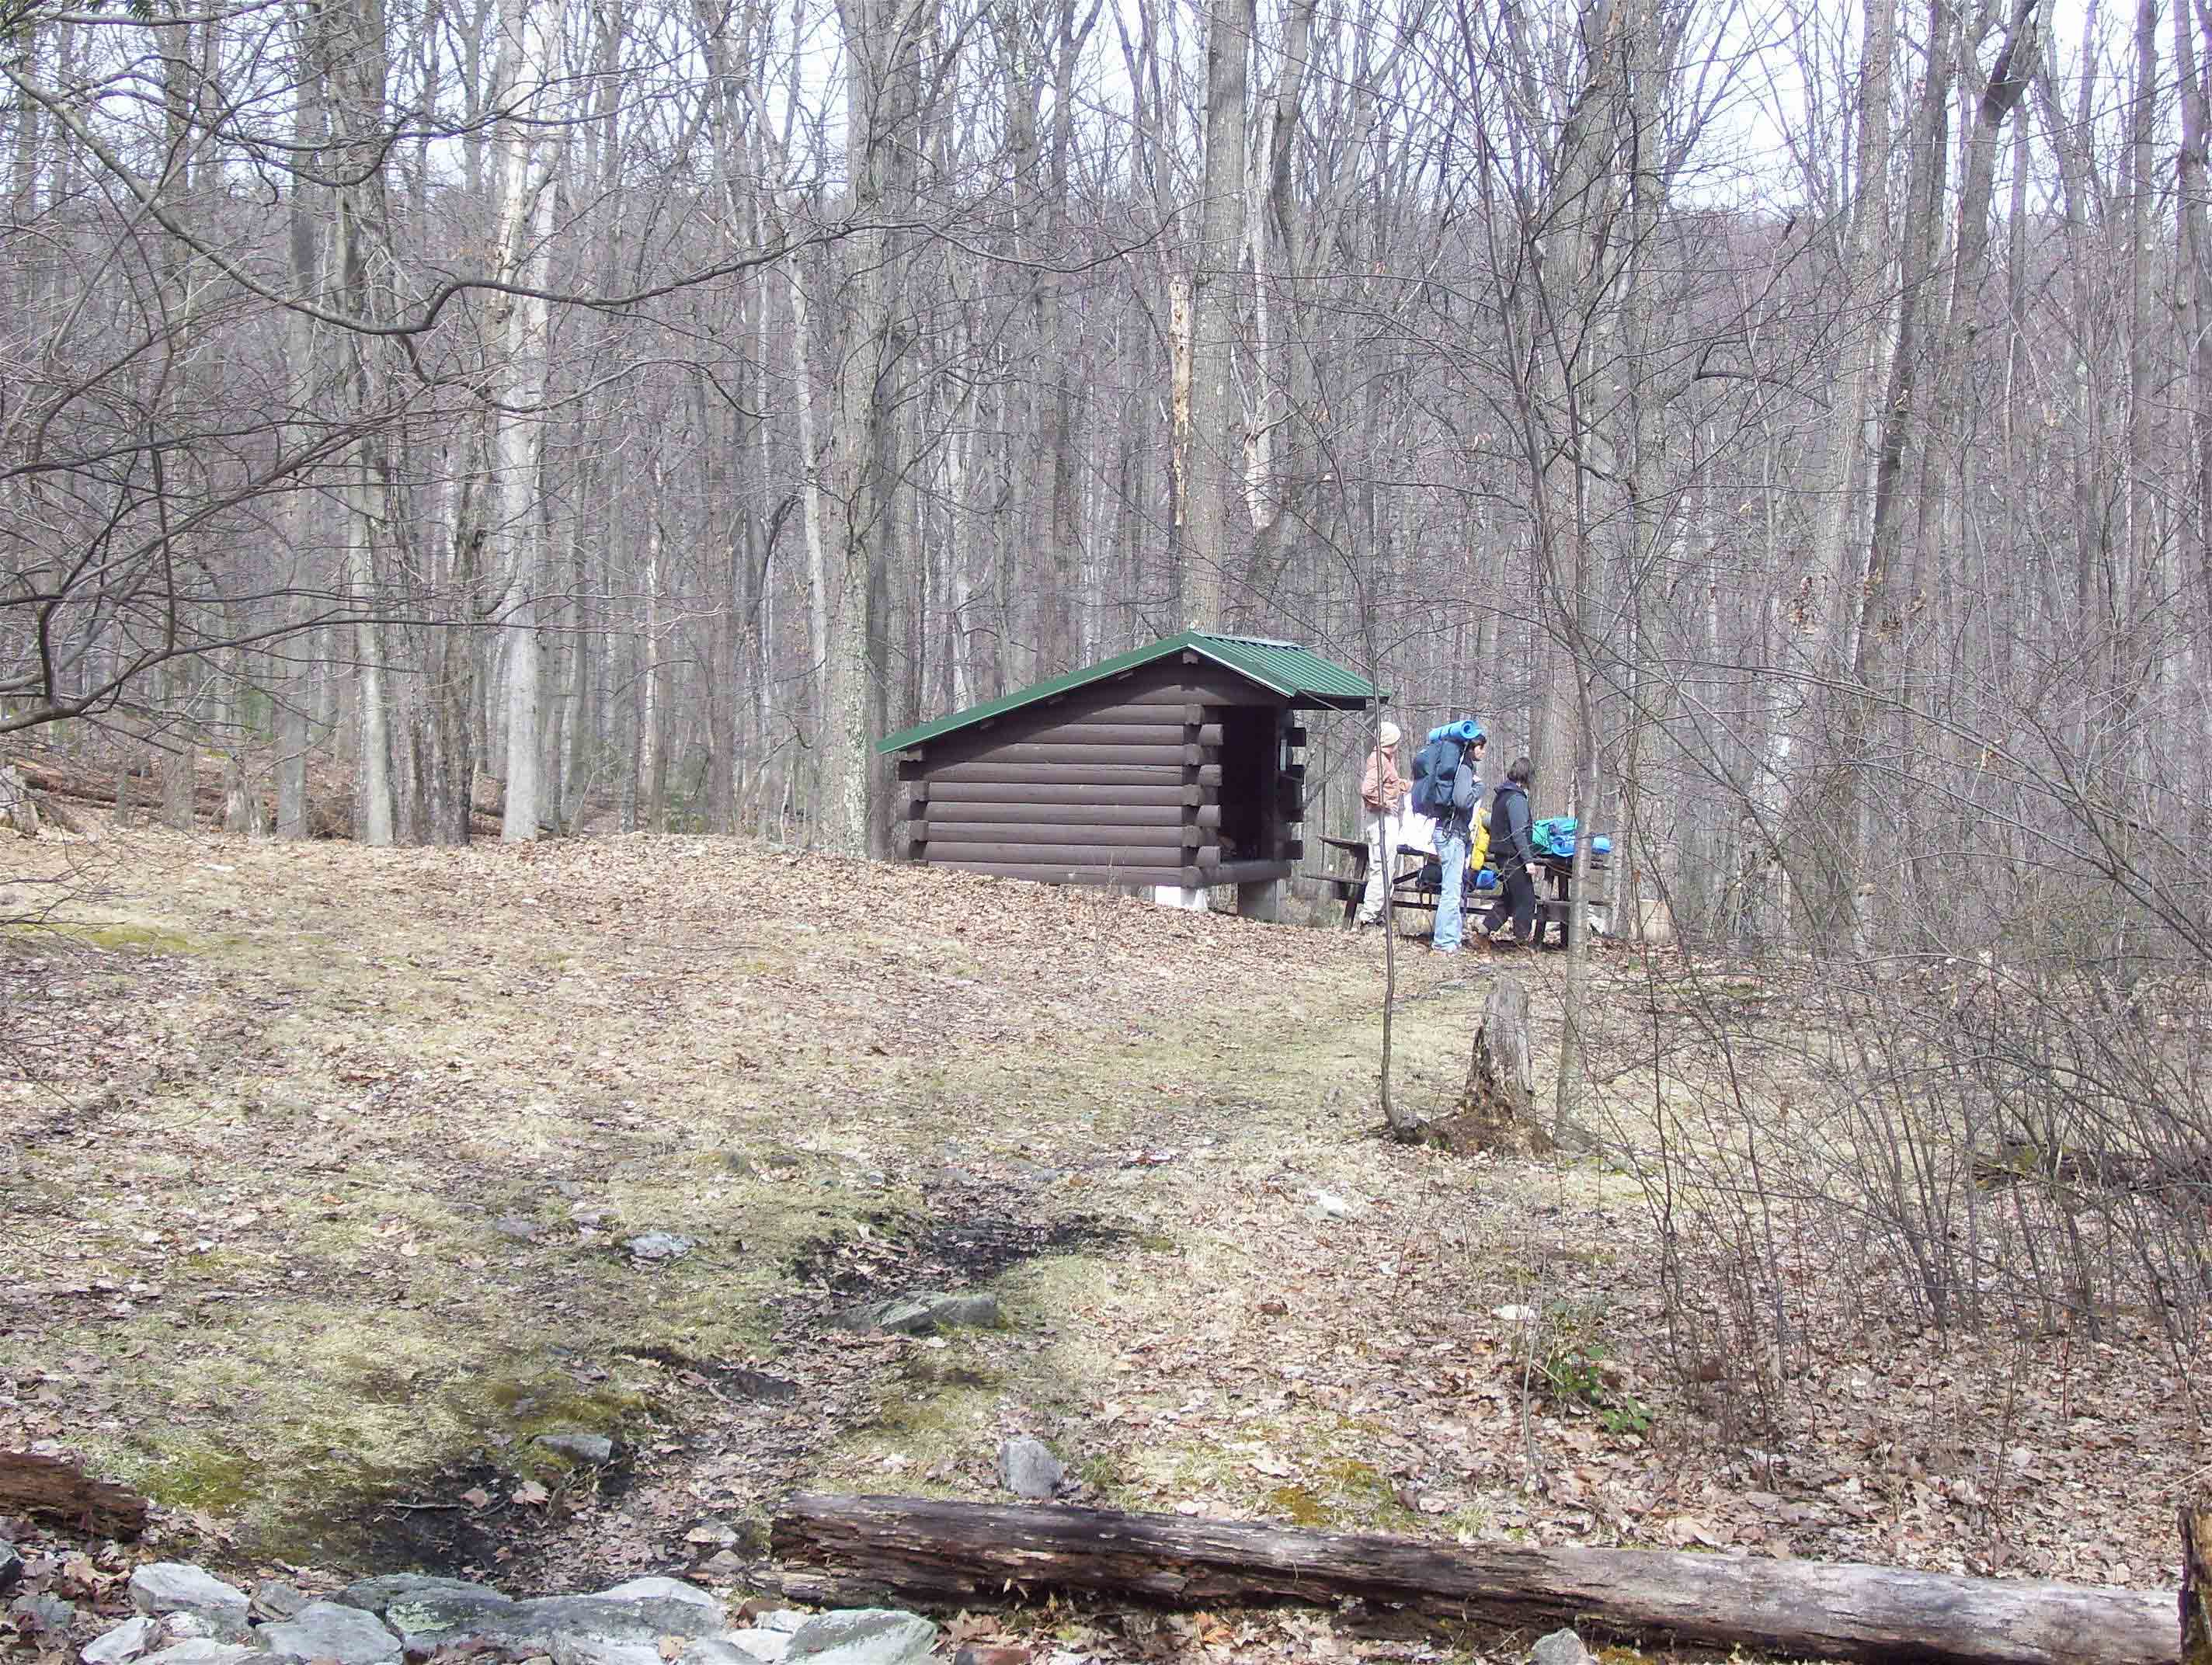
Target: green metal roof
x=1282, y=667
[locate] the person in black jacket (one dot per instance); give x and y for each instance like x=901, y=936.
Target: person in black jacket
x=1513, y=854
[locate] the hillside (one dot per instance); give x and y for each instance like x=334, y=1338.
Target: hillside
x=326, y=1162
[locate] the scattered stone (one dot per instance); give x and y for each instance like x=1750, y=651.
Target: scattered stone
x=780, y=1621
x=376, y=1595
x=766, y=1647
x=326, y=1630
x=729, y=1650
x=1027, y=1468
x=163, y=1587
x=11, y=1568
x=659, y=1589
x=1330, y=1206
x=42, y=1615
x=1561, y=1647
x=922, y=1314
x=862, y=1636
x=980, y=1653
x=520, y=1227
x=589, y=1214
x=659, y=1246
x=432, y=1618
x=723, y=1564
x=125, y=1642
x=584, y=1448
x=274, y=1599
x=201, y=1652
x=222, y=1624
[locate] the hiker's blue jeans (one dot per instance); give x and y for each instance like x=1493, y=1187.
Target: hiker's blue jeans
x=1451, y=850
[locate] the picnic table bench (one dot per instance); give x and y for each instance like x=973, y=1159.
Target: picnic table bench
x=1407, y=891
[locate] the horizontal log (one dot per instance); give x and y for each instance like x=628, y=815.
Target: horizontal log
x=1068, y=815
x=1022, y=751
x=1030, y=792
x=1209, y=734
x=59, y=1491
x=1246, y=872
x=1062, y=774
x=932, y=1550
x=1168, y=837
x=1208, y=816
x=1205, y=774
x=1083, y=732
x=1049, y=872
x=962, y=851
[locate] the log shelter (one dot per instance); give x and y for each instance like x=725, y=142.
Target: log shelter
x=1172, y=768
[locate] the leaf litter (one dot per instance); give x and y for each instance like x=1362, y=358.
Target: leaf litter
x=260, y=1159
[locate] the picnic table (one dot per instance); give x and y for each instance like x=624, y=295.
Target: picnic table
x=1554, y=883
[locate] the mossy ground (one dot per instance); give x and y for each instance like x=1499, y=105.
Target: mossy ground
x=327, y=1159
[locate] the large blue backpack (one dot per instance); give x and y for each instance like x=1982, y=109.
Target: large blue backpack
x=1436, y=767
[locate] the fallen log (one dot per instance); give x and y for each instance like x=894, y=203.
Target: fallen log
x=930, y=1550
x=51, y=1487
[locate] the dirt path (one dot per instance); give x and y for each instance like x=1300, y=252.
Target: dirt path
x=328, y=1156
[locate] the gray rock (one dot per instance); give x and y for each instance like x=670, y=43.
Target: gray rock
x=1561, y=1647
x=782, y=1621
x=274, y=1599
x=203, y=1653
x=584, y=1448
x=520, y=1227
x=659, y=1246
x=43, y=1615
x=426, y=1620
x=726, y=1651
x=125, y=1642
x=922, y=1314
x=11, y=1568
x=566, y=1650
x=862, y=1636
x=179, y=1587
x=581, y=1622
x=761, y=1647
x=222, y=1624
x=659, y=1589
x=375, y=1595
x=1028, y=1469
x=325, y=1629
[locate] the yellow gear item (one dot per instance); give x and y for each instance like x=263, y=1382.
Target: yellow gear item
x=1478, y=847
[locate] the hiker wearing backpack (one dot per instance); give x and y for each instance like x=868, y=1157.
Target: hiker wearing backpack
x=1513, y=854
x=1447, y=782
x=1382, y=791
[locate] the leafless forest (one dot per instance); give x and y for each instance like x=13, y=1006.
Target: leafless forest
x=1793, y=427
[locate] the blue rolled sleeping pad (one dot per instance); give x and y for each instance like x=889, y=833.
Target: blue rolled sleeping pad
x=1466, y=731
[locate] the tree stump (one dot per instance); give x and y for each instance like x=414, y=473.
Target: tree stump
x=2196, y=1580
x=1497, y=1111
x=16, y=808
x=241, y=805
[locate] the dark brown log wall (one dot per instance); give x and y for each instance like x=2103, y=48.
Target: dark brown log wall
x=1118, y=784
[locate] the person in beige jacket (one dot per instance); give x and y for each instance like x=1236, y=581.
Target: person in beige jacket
x=1382, y=791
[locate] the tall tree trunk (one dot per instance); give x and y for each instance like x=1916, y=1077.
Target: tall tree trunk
x=1213, y=437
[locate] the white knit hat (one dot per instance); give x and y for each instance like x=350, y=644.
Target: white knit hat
x=1389, y=733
